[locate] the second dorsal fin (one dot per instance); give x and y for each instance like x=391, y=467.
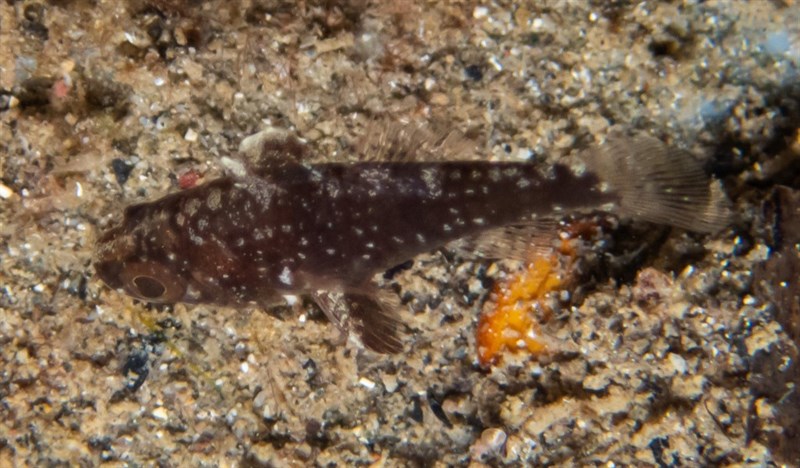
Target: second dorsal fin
x=397, y=142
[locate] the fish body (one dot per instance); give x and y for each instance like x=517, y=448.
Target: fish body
x=288, y=227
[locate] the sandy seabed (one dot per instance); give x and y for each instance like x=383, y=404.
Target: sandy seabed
x=678, y=350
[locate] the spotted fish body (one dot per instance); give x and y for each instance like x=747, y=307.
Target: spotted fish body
x=285, y=227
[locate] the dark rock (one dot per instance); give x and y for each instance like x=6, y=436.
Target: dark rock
x=122, y=170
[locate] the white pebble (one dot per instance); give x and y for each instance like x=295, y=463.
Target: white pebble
x=5, y=192
x=366, y=383
x=480, y=12
x=160, y=413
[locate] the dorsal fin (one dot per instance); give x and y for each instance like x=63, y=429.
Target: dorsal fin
x=270, y=150
x=393, y=142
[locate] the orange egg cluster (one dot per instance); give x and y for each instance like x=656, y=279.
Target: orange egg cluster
x=521, y=303
x=512, y=324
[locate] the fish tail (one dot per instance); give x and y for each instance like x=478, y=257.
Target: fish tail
x=660, y=184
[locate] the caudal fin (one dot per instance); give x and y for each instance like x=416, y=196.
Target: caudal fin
x=660, y=184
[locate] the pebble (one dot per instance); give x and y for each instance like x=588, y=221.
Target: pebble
x=480, y=12
x=190, y=135
x=490, y=443
x=389, y=382
x=366, y=383
x=160, y=413
x=678, y=363
x=5, y=192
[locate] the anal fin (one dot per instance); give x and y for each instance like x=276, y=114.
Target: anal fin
x=521, y=242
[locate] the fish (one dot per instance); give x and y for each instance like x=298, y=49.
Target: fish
x=277, y=224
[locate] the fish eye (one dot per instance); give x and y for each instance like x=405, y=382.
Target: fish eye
x=152, y=281
x=149, y=287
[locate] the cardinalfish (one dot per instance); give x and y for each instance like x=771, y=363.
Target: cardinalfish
x=279, y=225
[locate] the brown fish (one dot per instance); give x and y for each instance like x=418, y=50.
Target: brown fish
x=280, y=226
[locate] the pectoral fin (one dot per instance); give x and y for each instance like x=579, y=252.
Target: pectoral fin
x=367, y=313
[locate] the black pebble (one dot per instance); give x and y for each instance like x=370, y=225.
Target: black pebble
x=474, y=72
x=415, y=412
x=136, y=364
x=122, y=170
x=437, y=409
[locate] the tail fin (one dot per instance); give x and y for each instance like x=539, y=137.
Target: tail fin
x=660, y=184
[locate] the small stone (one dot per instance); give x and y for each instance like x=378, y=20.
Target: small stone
x=366, y=383
x=190, y=135
x=480, y=12
x=596, y=383
x=389, y=382
x=122, y=170
x=489, y=444
x=678, y=363
x=5, y=192
x=689, y=388
x=160, y=414
x=439, y=99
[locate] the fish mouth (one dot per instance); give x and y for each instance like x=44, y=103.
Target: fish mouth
x=109, y=273
x=111, y=247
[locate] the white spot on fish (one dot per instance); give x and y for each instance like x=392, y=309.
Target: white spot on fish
x=333, y=188
x=479, y=221
x=522, y=183
x=330, y=251
x=192, y=206
x=447, y=227
x=286, y=276
x=196, y=240
x=432, y=183
x=214, y=200
x=287, y=228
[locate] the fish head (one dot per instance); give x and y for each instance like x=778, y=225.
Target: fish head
x=141, y=256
